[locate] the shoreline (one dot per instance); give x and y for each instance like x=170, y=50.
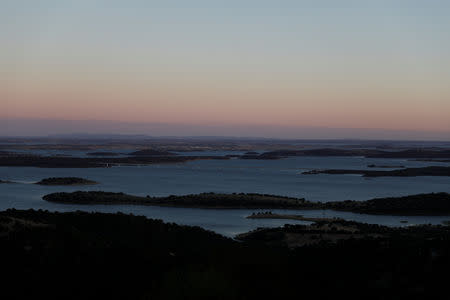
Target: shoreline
x=271, y=215
x=24, y=160
x=146, y=156
x=89, y=252
x=433, y=204
x=65, y=181
x=406, y=172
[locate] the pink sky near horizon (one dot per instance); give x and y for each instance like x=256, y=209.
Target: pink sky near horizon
x=383, y=66
x=252, y=101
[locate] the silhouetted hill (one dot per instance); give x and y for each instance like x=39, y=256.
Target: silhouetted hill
x=82, y=255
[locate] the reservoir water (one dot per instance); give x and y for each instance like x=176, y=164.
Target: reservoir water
x=279, y=177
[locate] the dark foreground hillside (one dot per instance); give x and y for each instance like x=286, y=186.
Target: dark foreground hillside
x=111, y=256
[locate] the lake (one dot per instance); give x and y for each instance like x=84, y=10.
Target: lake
x=278, y=177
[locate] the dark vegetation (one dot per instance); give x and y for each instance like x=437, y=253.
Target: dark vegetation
x=271, y=215
x=66, y=181
x=371, y=153
x=104, y=256
x=94, y=197
x=412, y=153
x=177, y=144
x=421, y=204
x=337, y=229
x=433, y=160
x=383, y=166
x=92, y=162
x=204, y=200
x=160, y=151
x=151, y=152
x=102, y=153
x=251, y=153
x=235, y=200
x=408, y=172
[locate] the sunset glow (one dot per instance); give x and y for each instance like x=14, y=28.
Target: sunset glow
x=364, y=64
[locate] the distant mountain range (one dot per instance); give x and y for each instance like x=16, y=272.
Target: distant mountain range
x=127, y=130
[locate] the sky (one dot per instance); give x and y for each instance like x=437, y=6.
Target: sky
x=263, y=66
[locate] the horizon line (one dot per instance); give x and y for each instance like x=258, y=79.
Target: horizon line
x=39, y=127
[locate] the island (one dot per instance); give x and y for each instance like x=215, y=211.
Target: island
x=369, y=153
x=408, y=172
x=385, y=166
x=433, y=160
x=421, y=204
x=103, y=153
x=203, y=200
x=24, y=160
x=81, y=255
x=151, y=152
x=271, y=215
x=251, y=153
x=66, y=181
x=161, y=154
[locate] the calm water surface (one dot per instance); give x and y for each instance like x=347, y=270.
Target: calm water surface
x=279, y=177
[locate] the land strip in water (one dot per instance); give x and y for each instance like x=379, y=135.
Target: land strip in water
x=271, y=215
x=66, y=181
x=24, y=160
x=204, y=200
x=102, y=153
x=421, y=204
x=407, y=172
x=369, y=153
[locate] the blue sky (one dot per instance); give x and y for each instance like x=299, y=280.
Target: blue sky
x=282, y=63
